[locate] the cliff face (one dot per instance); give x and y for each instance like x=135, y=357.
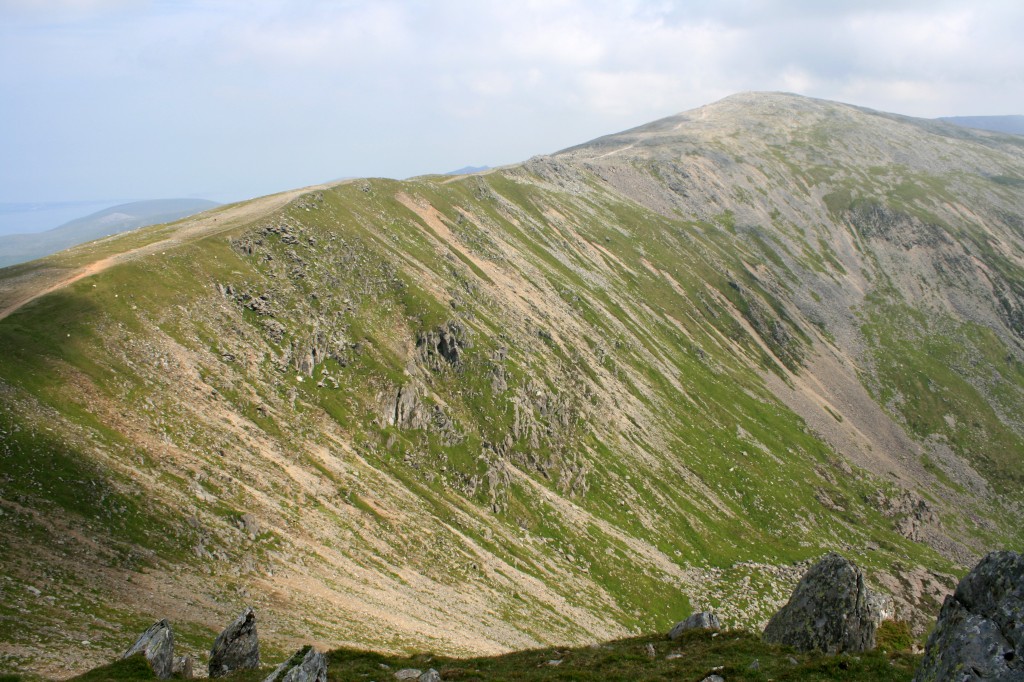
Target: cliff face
x=556, y=402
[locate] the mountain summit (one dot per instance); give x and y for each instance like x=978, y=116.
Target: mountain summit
x=556, y=402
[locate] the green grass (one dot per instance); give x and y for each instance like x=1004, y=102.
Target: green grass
x=734, y=655
x=134, y=668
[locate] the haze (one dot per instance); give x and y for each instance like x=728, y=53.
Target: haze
x=123, y=100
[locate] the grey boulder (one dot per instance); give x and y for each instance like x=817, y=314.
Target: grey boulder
x=702, y=620
x=305, y=665
x=157, y=645
x=237, y=647
x=828, y=611
x=182, y=667
x=979, y=634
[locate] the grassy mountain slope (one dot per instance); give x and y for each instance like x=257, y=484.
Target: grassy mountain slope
x=554, y=403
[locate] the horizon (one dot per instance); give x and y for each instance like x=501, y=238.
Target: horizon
x=145, y=99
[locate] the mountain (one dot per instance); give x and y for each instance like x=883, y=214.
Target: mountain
x=560, y=402
x=18, y=248
x=468, y=170
x=1000, y=124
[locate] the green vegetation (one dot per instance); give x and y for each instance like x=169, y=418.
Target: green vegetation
x=735, y=655
x=555, y=385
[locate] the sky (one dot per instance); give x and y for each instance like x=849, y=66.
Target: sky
x=122, y=100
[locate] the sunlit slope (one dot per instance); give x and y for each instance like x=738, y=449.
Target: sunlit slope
x=554, y=403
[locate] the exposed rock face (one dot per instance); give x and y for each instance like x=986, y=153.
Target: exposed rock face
x=305, y=665
x=828, y=611
x=157, y=645
x=979, y=634
x=237, y=647
x=882, y=607
x=182, y=667
x=702, y=620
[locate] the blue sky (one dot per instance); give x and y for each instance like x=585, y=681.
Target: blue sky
x=122, y=100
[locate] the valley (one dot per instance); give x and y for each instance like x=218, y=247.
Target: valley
x=565, y=401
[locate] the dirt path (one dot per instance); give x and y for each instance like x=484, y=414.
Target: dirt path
x=20, y=290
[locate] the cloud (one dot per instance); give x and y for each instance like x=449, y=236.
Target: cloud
x=395, y=87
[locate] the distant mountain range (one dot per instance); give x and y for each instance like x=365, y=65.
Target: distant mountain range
x=19, y=248
x=1000, y=124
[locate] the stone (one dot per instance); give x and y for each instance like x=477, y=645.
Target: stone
x=182, y=668
x=828, y=611
x=157, y=645
x=882, y=607
x=979, y=634
x=702, y=620
x=713, y=678
x=408, y=674
x=430, y=676
x=305, y=665
x=237, y=647
x=649, y=650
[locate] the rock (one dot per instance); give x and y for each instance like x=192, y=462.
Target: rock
x=237, y=647
x=408, y=674
x=430, y=676
x=702, y=620
x=649, y=650
x=182, y=667
x=979, y=634
x=305, y=665
x=828, y=611
x=157, y=645
x=882, y=607
x=713, y=678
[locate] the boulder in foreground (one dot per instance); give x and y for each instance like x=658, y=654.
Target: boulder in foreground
x=157, y=645
x=979, y=634
x=237, y=647
x=829, y=611
x=702, y=620
x=305, y=665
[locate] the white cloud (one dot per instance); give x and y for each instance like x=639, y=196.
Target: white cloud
x=344, y=87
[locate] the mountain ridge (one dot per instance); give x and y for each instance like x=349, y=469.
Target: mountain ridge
x=553, y=403
x=18, y=248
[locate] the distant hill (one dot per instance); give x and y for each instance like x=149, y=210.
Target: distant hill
x=18, y=248
x=468, y=170
x=1000, y=124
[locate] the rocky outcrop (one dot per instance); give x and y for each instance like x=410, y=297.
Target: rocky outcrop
x=237, y=647
x=828, y=611
x=702, y=620
x=443, y=346
x=157, y=645
x=182, y=668
x=979, y=634
x=305, y=665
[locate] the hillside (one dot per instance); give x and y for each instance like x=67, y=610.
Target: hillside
x=19, y=248
x=549, y=404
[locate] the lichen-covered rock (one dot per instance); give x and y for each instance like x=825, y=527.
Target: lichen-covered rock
x=828, y=611
x=979, y=634
x=305, y=665
x=702, y=620
x=430, y=676
x=157, y=645
x=237, y=647
x=182, y=668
